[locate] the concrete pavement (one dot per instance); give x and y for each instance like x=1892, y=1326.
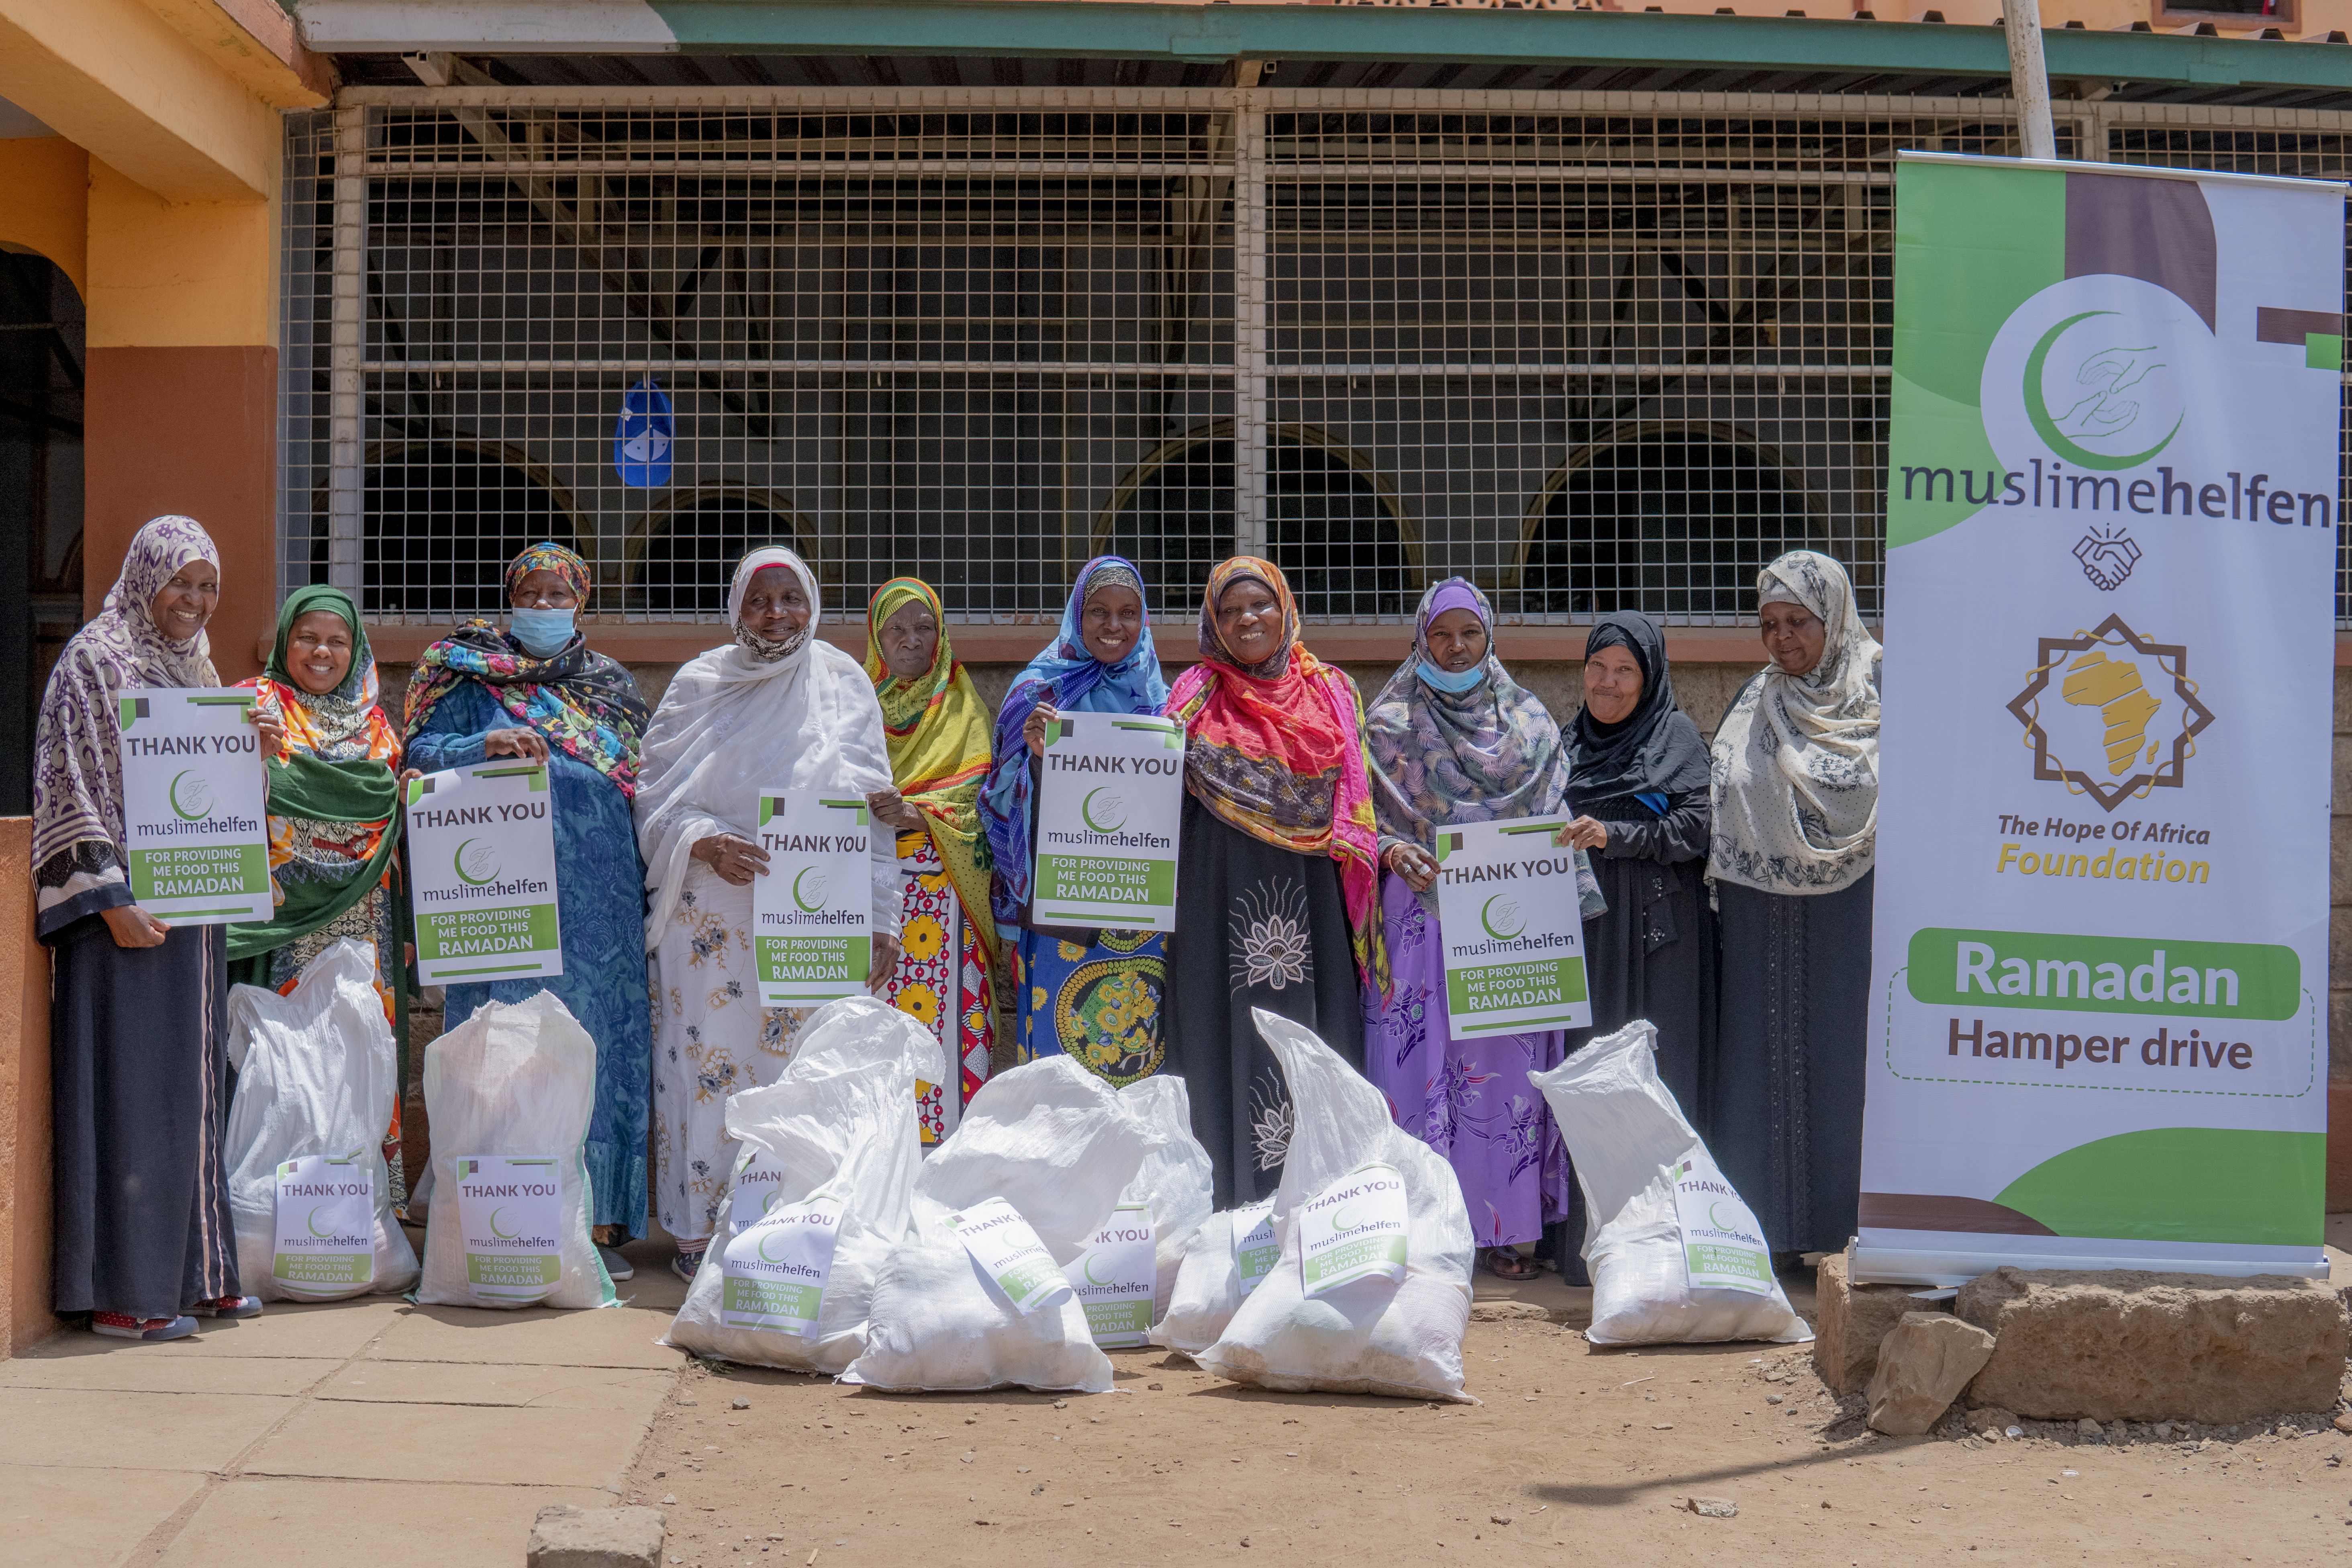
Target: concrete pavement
x=422, y=1435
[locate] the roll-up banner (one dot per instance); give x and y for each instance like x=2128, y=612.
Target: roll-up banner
x=2097, y=1017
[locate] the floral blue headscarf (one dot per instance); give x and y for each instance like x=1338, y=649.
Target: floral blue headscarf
x=1075, y=682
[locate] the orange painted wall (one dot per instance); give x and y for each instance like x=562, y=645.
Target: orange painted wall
x=45, y=203
x=24, y=1217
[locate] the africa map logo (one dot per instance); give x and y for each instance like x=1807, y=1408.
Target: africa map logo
x=2104, y=670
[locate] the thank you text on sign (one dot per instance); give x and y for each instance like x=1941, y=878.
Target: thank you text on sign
x=326, y=1226
x=481, y=848
x=1114, y=1277
x=813, y=913
x=1009, y=1255
x=511, y=1211
x=776, y=1267
x=1514, y=937
x=1108, y=802
x=1354, y=1229
x=195, y=805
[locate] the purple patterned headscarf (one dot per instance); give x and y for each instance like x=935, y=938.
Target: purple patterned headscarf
x=1443, y=758
x=77, y=771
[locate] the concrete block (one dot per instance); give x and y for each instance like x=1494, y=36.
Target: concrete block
x=567, y=1537
x=1922, y=1366
x=1851, y=1319
x=2119, y=1345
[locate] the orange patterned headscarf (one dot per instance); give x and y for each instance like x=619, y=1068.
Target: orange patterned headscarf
x=1277, y=750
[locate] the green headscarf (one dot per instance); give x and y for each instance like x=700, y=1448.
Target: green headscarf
x=340, y=766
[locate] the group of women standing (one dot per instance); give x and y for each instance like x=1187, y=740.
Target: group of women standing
x=1725, y=899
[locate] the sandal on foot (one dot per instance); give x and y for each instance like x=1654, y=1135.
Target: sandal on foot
x=123, y=1326
x=1504, y=1264
x=228, y=1306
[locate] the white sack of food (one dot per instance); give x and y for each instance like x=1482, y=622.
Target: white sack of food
x=316, y=1075
x=509, y=1092
x=1628, y=1139
x=1399, y=1336
x=1176, y=1181
x=839, y=1122
x=1060, y=1147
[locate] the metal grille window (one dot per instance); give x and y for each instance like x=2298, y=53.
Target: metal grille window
x=1592, y=351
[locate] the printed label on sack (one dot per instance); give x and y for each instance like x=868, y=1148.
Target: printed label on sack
x=776, y=1269
x=194, y=805
x=757, y=1181
x=1511, y=928
x=510, y=1212
x=813, y=913
x=1007, y=1252
x=1354, y=1229
x=1722, y=1246
x=1110, y=795
x=1254, y=1247
x=481, y=848
x=326, y=1226
x=1114, y=1274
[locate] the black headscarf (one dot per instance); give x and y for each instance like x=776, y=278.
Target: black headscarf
x=1653, y=749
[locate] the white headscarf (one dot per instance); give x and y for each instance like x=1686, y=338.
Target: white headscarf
x=734, y=722
x=1795, y=764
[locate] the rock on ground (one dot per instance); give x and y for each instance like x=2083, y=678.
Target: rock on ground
x=1922, y=1366
x=1851, y=1319
x=2123, y=1345
x=567, y=1537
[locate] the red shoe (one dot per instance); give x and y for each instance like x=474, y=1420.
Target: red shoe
x=123, y=1326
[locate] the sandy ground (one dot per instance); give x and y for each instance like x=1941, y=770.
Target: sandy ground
x=1573, y=1451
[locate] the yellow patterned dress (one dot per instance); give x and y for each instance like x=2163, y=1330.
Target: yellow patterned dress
x=943, y=982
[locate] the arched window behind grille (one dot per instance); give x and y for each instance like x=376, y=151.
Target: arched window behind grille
x=690, y=553
x=440, y=522
x=1330, y=527
x=1675, y=521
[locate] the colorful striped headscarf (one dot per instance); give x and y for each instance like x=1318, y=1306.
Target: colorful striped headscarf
x=583, y=701
x=1277, y=750
x=938, y=732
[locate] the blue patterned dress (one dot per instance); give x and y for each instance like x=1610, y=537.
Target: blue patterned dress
x=599, y=901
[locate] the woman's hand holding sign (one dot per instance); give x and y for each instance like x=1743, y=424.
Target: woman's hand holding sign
x=736, y=860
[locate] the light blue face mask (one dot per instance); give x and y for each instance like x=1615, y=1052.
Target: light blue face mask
x=543, y=632
x=1457, y=684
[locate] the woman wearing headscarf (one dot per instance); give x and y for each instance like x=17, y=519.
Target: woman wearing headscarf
x=138, y=1016
x=1796, y=823
x=777, y=708
x=1455, y=740
x=334, y=809
x=938, y=733
x=1276, y=875
x=1637, y=769
x=536, y=692
x=1096, y=994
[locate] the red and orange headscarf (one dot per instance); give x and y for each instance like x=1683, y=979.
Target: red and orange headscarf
x=1277, y=750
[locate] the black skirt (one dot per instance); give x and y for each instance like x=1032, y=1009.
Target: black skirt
x=1255, y=927
x=138, y=1093
x=1789, y=1068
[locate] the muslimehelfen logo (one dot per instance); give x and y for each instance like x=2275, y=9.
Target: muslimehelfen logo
x=2102, y=390
x=477, y=862
x=191, y=796
x=1103, y=809
x=808, y=890
x=1500, y=915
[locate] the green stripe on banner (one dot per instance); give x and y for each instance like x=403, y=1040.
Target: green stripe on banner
x=2182, y=1183
x=1950, y=300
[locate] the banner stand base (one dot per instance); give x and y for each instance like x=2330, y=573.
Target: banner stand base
x=1914, y=1263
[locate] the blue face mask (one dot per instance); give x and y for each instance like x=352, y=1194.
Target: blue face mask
x=1457, y=684
x=543, y=632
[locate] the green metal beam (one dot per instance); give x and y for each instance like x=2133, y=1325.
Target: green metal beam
x=1064, y=29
